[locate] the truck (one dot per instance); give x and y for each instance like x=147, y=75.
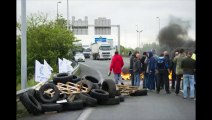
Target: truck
x=101, y=50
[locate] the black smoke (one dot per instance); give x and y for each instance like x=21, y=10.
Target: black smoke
x=175, y=35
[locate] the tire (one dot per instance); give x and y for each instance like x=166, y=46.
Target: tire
x=109, y=86
x=139, y=93
x=76, y=80
x=96, y=86
x=62, y=96
x=99, y=94
x=52, y=107
x=62, y=79
x=45, y=87
x=31, y=92
x=62, y=74
x=91, y=78
x=118, y=93
x=110, y=101
x=121, y=97
x=86, y=83
x=31, y=104
x=89, y=101
x=75, y=105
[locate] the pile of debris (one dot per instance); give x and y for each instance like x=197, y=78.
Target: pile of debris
x=69, y=92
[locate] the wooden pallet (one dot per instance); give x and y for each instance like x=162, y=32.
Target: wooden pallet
x=68, y=88
x=127, y=89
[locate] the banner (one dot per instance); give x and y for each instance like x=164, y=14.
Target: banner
x=48, y=69
x=68, y=66
x=40, y=72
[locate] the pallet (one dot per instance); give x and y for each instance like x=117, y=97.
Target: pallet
x=127, y=89
x=68, y=88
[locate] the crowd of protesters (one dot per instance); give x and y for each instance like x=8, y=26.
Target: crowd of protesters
x=156, y=70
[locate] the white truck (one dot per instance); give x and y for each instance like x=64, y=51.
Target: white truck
x=101, y=50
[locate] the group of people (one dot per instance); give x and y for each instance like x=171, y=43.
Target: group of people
x=156, y=70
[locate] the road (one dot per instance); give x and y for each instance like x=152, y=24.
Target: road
x=151, y=107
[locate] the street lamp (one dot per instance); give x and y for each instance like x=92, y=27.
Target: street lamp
x=57, y=9
x=159, y=22
x=137, y=36
x=159, y=25
x=67, y=16
x=139, y=40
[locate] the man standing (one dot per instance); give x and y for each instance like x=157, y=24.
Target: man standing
x=151, y=66
x=131, y=67
x=162, y=73
x=179, y=71
x=173, y=68
x=116, y=65
x=143, y=68
x=188, y=66
x=137, y=69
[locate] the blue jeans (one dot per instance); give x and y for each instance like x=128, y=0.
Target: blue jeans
x=151, y=81
x=136, y=79
x=188, y=80
x=145, y=80
x=117, y=78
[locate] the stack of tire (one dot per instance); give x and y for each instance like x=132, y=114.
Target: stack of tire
x=37, y=102
x=105, y=93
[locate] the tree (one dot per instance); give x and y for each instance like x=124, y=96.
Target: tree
x=47, y=40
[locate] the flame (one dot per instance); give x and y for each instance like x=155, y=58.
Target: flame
x=127, y=76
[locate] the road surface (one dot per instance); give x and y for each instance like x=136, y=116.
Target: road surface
x=151, y=107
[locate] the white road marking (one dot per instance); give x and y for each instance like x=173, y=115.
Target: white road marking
x=85, y=114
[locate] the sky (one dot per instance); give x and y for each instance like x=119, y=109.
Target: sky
x=126, y=13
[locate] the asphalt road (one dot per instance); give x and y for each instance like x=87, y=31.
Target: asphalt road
x=151, y=107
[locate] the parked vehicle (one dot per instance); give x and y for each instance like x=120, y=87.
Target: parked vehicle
x=79, y=57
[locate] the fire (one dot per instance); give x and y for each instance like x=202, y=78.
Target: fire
x=170, y=75
x=125, y=76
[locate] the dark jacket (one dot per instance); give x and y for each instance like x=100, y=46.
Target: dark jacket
x=137, y=66
x=151, y=63
x=131, y=62
x=188, y=66
x=144, y=65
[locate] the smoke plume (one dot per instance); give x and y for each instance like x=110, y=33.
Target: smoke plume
x=175, y=35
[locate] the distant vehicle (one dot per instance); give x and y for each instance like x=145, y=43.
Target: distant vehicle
x=87, y=53
x=101, y=50
x=79, y=57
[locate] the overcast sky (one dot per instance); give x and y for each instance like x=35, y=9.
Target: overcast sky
x=126, y=13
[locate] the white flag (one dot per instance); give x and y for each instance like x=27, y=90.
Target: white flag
x=48, y=69
x=62, y=66
x=68, y=67
x=40, y=72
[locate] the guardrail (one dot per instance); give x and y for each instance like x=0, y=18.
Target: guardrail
x=20, y=92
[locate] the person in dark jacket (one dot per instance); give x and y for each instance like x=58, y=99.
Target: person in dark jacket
x=151, y=66
x=131, y=67
x=173, y=69
x=162, y=73
x=188, y=66
x=143, y=68
x=116, y=65
x=137, y=69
